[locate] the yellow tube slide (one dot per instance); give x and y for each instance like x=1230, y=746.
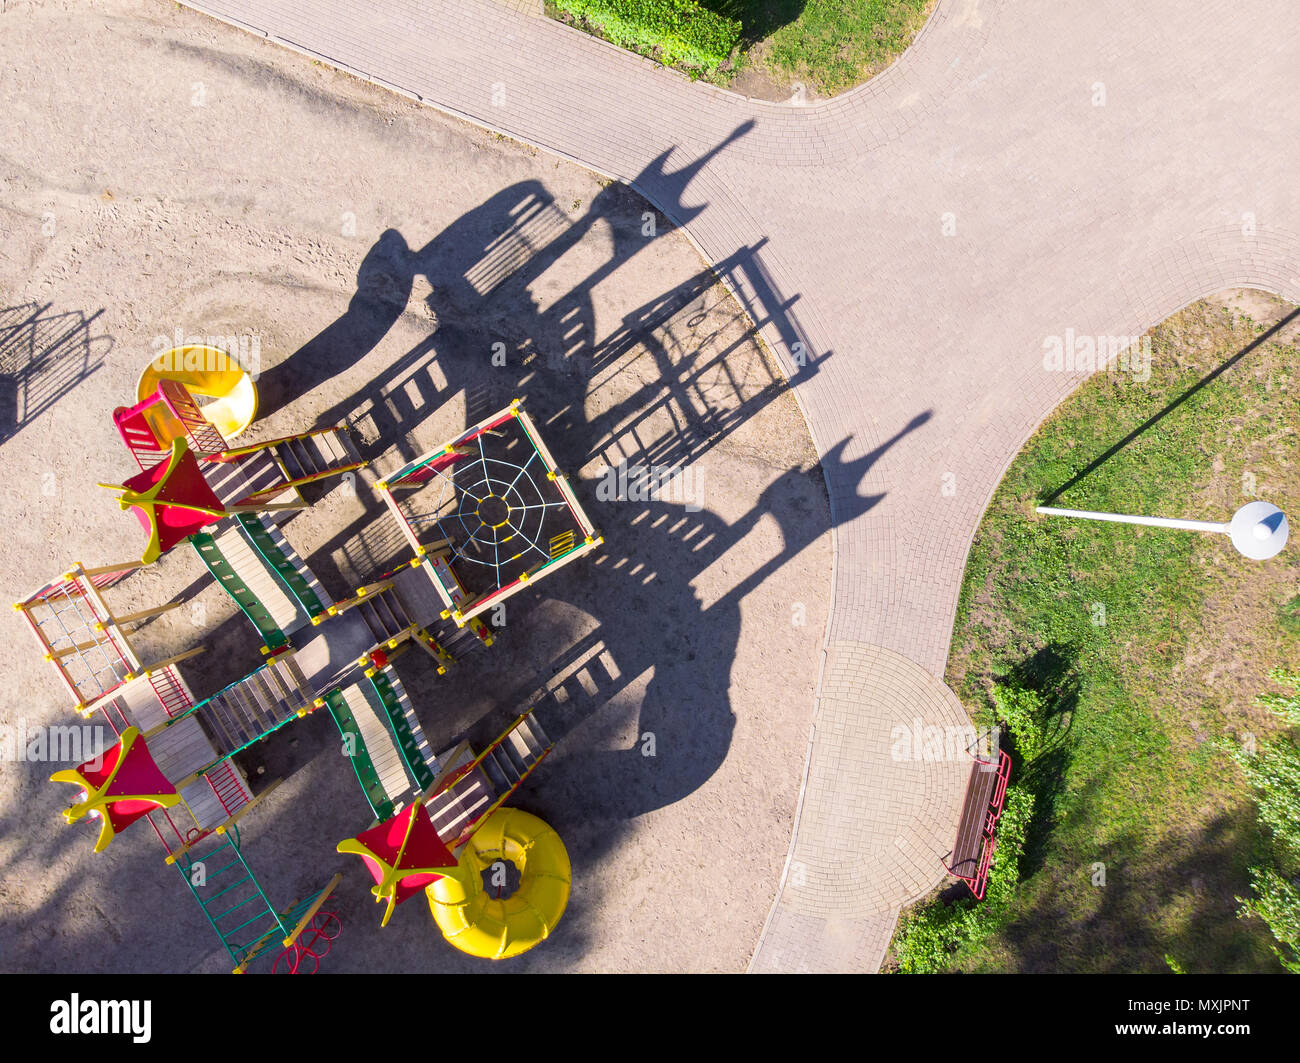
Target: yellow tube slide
x=475, y=921
x=208, y=373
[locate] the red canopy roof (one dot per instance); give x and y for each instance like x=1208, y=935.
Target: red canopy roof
x=402, y=854
x=121, y=785
x=172, y=500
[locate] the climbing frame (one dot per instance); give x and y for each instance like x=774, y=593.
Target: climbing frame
x=489, y=512
x=84, y=639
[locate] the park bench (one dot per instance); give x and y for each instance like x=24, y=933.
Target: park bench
x=986, y=793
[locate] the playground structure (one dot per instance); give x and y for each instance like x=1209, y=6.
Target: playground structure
x=504, y=513
x=175, y=762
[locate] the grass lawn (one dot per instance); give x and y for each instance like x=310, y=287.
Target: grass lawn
x=1149, y=644
x=827, y=46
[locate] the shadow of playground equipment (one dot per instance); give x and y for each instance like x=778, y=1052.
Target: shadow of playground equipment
x=686, y=705
x=43, y=356
x=494, y=342
x=480, y=268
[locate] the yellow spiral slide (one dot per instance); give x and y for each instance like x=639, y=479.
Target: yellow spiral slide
x=482, y=925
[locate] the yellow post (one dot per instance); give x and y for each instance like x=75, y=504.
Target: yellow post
x=310, y=913
x=265, y=507
x=144, y=614
x=158, y=666
x=75, y=648
x=101, y=569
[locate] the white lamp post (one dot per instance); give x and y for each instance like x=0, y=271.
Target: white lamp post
x=1258, y=529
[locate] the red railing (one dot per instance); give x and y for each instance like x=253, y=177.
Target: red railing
x=978, y=882
x=227, y=787
x=134, y=428
x=166, y=684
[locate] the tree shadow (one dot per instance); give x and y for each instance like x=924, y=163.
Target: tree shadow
x=1112, y=910
x=1183, y=906
x=758, y=18
x=1049, y=672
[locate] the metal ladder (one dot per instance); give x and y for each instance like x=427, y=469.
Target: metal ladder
x=232, y=899
x=235, y=904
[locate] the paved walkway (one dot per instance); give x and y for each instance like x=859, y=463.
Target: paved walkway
x=1026, y=168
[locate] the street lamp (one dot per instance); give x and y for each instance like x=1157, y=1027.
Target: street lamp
x=1258, y=529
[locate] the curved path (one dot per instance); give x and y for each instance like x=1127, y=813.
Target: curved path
x=1024, y=169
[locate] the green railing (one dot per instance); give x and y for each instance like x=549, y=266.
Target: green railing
x=214, y=889
x=361, y=762
x=262, y=541
x=224, y=573
x=407, y=743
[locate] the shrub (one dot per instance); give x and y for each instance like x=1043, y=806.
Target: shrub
x=1274, y=775
x=931, y=937
x=1021, y=709
x=680, y=31
x=1277, y=902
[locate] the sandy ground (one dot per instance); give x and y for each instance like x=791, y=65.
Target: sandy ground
x=162, y=172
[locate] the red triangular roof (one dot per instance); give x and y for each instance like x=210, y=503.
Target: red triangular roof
x=138, y=776
x=172, y=500
x=120, y=785
x=406, y=845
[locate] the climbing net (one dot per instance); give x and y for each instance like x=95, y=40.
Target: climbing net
x=498, y=509
x=504, y=513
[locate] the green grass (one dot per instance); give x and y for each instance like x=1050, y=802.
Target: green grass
x=828, y=45
x=832, y=44
x=1134, y=783
x=1288, y=616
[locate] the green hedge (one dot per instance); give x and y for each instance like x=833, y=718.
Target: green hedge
x=1273, y=773
x=680, y=30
